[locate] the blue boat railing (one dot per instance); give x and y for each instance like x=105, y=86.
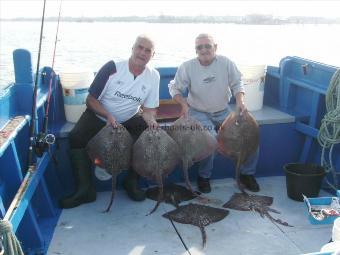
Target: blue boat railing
x=25, y=199
x=302, y=86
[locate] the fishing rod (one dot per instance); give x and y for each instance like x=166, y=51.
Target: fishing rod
x=35, y=94
x=44, y=140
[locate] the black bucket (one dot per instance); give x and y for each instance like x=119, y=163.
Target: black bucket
x=303, y=179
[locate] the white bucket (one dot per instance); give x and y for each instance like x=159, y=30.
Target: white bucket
x=252, y=72
x=75, y=90
x=254, y=95
x=253, y=80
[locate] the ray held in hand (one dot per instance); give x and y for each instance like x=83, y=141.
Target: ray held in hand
x=111, y=149
x=155, y=155
x=238, y=139
x=194, y=141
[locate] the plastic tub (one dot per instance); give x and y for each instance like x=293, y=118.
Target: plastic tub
x=303, y=179
x=251, y=73
x=254, y=95
x=76, y=79
x=75, y=90
x=253, y=80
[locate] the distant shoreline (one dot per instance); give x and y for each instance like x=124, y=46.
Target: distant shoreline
x=254, y=19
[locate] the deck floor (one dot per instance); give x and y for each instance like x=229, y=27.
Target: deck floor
x=127, y=230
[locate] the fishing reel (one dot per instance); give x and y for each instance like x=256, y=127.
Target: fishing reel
x=42, y=142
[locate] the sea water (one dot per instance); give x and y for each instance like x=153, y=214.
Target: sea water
x=90, y=45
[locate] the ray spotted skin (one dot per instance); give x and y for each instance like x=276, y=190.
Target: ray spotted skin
x=111, y=149
x=197, y=215
x=173, y=194
x=194, y=141
x=238, y=138
x=256, y=203
x=155, y=155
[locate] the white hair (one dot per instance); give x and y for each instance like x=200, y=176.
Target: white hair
x=145, y=37
x=205, y=35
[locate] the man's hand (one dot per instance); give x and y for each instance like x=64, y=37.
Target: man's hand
x=240, y=106
x=110, y=120
x=184, y=110
x=96, y=106
x=184, y=105
x=153, y=124
x=149, y=116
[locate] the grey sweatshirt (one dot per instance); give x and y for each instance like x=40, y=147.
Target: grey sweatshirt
x=209, y=87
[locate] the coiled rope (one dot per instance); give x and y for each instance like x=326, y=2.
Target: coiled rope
x=11, y=245
x=329, y=133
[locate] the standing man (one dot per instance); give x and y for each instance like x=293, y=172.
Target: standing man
x=115, y=96
x=210, y=80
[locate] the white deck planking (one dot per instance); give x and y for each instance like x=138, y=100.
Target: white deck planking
x=127, y=230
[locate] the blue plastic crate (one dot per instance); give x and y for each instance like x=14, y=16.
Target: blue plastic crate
x=322, y=201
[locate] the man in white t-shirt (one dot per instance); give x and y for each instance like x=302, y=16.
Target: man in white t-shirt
x=211, y=80
x=116, y=95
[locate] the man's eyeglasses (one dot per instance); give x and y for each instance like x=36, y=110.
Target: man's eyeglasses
x=206, y=46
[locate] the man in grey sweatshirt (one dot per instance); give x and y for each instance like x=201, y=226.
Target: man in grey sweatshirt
x=210, y=80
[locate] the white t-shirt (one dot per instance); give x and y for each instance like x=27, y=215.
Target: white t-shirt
x=122, y=94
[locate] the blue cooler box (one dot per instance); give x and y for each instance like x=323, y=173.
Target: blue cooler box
x=322, y=201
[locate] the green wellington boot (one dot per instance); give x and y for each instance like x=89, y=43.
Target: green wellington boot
x=131, y=186
x=85, y=190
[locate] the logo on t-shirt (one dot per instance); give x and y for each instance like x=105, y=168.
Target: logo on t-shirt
x=136, y=99
x=209, y=79
x=143, y=88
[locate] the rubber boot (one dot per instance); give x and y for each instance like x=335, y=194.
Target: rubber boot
x=85, y=190
x=131, y=186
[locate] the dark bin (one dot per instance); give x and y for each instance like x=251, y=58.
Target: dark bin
x=303, y=179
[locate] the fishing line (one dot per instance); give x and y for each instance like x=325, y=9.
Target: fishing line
x=52, y=73
x=43, y=140
x=180, y=237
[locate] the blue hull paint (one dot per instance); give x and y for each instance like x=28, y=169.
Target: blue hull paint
x=297, y=86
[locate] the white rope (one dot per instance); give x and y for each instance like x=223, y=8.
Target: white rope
x=11, y=245
x=329, y=133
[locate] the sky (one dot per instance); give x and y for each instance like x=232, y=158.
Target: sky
x=90, y=8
